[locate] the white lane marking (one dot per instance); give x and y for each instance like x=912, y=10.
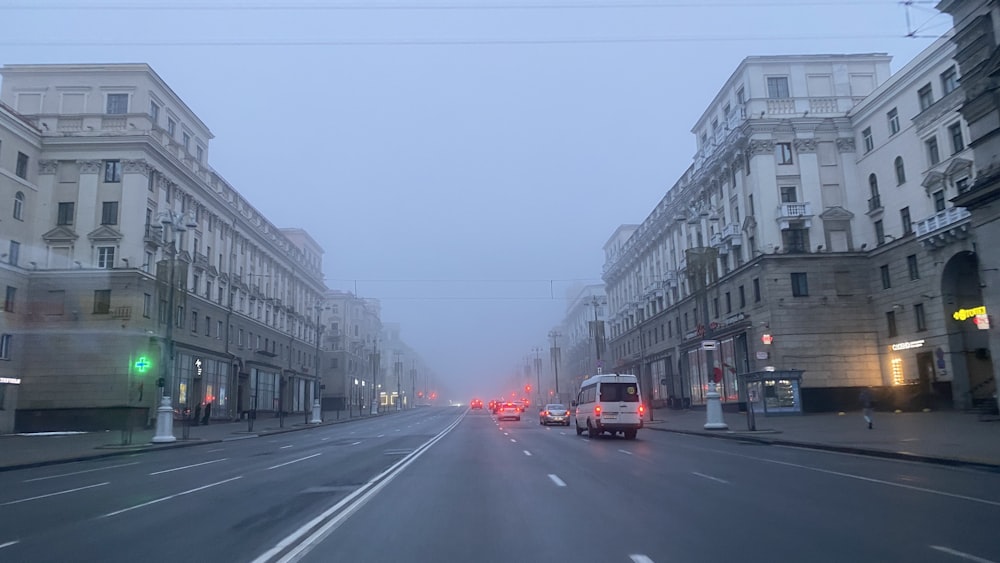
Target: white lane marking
x=352, y=502
x=380, y=436
x=285, y=447
x=563, y=433
x=188, y=466
x=215, y=450
x=234, y=438
x=955, y=552
x=55, y=494
x=626, y=452
x=353, y=443
x=640, y=558
x=8, y=544
x=79, y=472
x=513, y=440
x=155, y=501
x=527, y=453
x=716, y=479
x=293, y=461
x=555, y=479
x=397, y=430
x=324, y=439
x=851, y=476
x=506, y=434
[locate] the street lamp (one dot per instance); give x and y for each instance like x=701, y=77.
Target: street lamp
x=598, y=330
x=173, y=222
x=317, y=409
x=554, y=335
x=538, y=373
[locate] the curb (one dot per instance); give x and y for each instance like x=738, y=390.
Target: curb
x=869, y=452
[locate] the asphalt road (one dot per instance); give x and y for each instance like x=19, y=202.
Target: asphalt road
x=440, y=484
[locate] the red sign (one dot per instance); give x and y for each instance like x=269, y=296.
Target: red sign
x=767, y=338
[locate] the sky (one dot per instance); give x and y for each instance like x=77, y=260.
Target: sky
x=463, y=161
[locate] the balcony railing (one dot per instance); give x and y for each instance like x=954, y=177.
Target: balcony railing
x=793, y=211
x=780, y=106
x=944, y=227
x=874, y=203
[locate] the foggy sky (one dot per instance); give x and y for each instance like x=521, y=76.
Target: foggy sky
x=465, y=166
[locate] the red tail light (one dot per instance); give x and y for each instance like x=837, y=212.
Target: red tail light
x=597, y=410
x=545, y=413
x=642, y=409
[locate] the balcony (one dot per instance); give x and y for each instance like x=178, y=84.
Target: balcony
x=780, y=106
x=670, y=278
x=874, y=203
x=823, y=105
x=732, y=234
x=716, y=240
x=153, y=235
x=794, y=211
x=943, y=228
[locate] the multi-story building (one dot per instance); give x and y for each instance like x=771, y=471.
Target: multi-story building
x=122, y=200
x=580, y=341
x=812, y=232
x=351, y=330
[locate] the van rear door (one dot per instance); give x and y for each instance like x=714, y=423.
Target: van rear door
x=621, y=403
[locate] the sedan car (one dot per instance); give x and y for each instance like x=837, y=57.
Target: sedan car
x=477, y=403
x=509, y=411
x=554, y=413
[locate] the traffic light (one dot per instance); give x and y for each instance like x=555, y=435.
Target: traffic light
x=527, y=388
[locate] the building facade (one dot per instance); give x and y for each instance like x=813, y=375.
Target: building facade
x=352, y=326
x=581, y=330
x=139, y=248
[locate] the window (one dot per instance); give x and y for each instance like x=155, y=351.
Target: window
x=4, y=355
x=893, y=118
x=873, y=185
x=117, y=104
x=800, y=284
x=171, y=127
x=904, y=218
x=19, y=206
x=784, y=153
x=957, y=143
x=926, y=97
x=777, y=87
x=866, y=138
x=194, y=321
x=154, y=112
x=208, y=326
x=788, y=194
x=64, y=216
x=962, y=185
x=743, y=298
x=186, y=139
x=932, y=151
x=14, y=253
x=939, y=203
x=756, y=290
x=218, y=329
x=106, y=257
x=949, y=81
x=890, y=322
x=900, y=171
x=796, y=238
x=112, y=171
x=102, y=301
x=109, y=213
x=921, y=318
x=729, y=303
x=911, y=265
x=8, y=304
x=879, y=232
x=22, y=166
x=200, y=152
x=147, y=305
x=886, y=280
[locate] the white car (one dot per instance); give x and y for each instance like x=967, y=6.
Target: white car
x=609, y=403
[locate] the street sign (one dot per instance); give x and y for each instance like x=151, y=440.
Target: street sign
x=709, y=344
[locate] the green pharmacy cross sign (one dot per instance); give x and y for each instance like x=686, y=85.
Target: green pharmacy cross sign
x=142, y=364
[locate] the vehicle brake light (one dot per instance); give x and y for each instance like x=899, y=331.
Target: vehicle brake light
x=597, y=410
x=545, y=413
x=642, y=409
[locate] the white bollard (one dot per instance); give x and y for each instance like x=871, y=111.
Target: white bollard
x=713, y=409
x=316, y=415
x=164, y=422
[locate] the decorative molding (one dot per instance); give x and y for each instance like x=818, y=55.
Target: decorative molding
x=105, y=233
x=805, y=145
x=47, y=166
x=136, y=167
x=60, y=234
x=845, y=144
x=758, y=148
x=89, y=166
x=836, y=214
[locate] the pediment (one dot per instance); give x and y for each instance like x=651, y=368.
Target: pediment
x=105, y=233
x=60, y=234
x=932, y=179
x=836, y=214
x=749, y=224
x=958, y=165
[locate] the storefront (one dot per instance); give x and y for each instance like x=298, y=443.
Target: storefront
x=729, y=357
x=201, y=379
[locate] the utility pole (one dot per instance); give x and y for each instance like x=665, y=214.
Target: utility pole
x=598, y=331
x=554, y=335
x=538, y=374
x=398, y=368
x=376, y=362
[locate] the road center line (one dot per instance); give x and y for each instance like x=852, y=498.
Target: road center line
x=154, y=501
x=640, y=558
x=955, y=552
x=8, y=544
x=215, y=450
x=324, y=439
x=354, y=443
x=380, y=436
x=55, y=494
x=626, y=452
x=294, y=461
x=716, y=479
x=188, y=466
x=555, y=479
x=285, y=447
x=79, y=472
x=527, y=453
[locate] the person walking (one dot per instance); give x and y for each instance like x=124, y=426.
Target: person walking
x=208, y=414
x=866, y=405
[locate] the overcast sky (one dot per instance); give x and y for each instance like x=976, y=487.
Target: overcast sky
x=464, y=161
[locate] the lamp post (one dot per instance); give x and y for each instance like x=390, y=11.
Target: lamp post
x=317, y=408
x=598, y=331
x=376, y=361
x=554, y=335
x=398, y=368
x=173, y=222
x=701, y=265
x=538, y=374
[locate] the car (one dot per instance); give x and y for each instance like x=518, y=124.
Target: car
x=609, y=403
x=509, y=411
x=554, y=413
x=476, y=403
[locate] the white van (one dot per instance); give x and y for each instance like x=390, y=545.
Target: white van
x=609, y=403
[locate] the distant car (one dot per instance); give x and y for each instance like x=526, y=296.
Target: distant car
x=509, y=411
x=477, y=404
x=554, y=413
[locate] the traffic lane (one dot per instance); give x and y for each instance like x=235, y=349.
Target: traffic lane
x=472, y=496
x=128, y=485
x=234, y=519
x=776, y=497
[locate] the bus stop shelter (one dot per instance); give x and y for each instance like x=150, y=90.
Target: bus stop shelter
x=772, y=393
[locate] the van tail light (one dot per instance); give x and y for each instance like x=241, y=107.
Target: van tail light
x=642, y=409
x=597, y=410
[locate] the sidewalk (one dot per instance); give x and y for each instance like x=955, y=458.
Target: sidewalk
x=22, y=451
x=945, y=437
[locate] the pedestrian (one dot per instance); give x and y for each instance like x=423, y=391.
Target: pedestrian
x=208, y=413
x=866, y=405
x=197, y=414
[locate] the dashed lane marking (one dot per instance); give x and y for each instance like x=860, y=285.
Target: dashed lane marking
x=285, y=447
x=8, y=544
x=716, y=479
x=555, y=479
x=640, y=558
x=626, y=452
x=79, y=472
x=960, y=554
x=188, y=466
x=55, y=494
x=527, y=453
x=513, y=440
x=195, y=490
x=293, y=461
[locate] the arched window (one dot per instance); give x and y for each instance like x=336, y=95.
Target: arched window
x=19, y=206
x=873, y=184
x=900, y=171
